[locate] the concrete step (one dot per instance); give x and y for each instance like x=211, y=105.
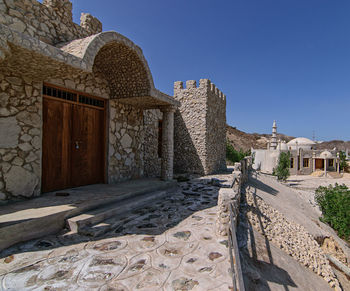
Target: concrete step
x=34, y=218
x=100, y=220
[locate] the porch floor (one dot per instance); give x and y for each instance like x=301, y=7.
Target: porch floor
x=25, y=220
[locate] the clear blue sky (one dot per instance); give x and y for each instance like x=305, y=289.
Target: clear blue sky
x=287, y=60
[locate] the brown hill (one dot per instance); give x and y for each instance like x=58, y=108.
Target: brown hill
x=245, y=141
x=339, y=144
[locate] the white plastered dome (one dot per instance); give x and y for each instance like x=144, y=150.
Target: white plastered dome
x=300, y=143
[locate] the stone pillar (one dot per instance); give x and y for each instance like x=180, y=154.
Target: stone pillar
x=167, y=143
x=338, y=163
x=325, y=167
x=313, y=162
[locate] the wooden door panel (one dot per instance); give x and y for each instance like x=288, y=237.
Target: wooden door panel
x=319, y=164
x=87, y=146
x=56, y=145
x=96, y=139
x=73, y=139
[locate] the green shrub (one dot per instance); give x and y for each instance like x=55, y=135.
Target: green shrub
x=335, y=206
x=342, y=163
x=282, y=169
x=233, y=155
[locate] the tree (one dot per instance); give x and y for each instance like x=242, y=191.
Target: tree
x=282, y=169
x=233, y=155
x=334, y=202
x=343, y=164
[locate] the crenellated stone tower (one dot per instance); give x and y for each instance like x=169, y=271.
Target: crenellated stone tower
x=200, y=128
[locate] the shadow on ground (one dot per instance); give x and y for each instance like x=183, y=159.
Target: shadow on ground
x=180, y=203
x=257, y=261
x=260, y=185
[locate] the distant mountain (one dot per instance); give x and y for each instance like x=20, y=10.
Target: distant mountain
x=339, y=144
x=242, y=140
x=245, y=141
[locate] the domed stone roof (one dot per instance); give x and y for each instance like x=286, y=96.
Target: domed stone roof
x=301, y=141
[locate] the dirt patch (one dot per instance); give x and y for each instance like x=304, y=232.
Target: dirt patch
x=331, y=247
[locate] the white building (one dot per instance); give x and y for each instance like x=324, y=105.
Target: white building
x=304, y=160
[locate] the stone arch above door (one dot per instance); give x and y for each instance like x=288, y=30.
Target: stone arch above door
x=118, y=60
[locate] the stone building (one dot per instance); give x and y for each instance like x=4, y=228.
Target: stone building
x=304, y=160
x=78, y=106
x=74, y=103
x=200, y=128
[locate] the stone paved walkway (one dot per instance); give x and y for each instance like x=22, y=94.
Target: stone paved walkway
x=170, y=245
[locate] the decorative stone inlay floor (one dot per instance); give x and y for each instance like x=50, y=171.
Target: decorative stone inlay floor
x=170, y=245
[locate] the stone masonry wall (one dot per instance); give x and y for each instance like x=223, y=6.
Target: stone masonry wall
x=190, y=128
x=125, y=142
x=20, y=136
x=200, y=128
x=152, y=162
x=21, y=133
x=215, y=129
x=21, y=129
x=51, y=22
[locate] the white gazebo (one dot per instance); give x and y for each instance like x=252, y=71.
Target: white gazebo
x=326, y=155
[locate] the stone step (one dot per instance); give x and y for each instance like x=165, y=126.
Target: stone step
x=48, y=214
x=100, y=220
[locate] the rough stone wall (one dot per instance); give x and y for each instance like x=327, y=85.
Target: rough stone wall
x=152, y=162
x=85, y=83
x=200, y=128
x=21, y=129
x=125, y=142
x=215, y=129
x=232, y=195
x=190, y=128
x=51, y=22
x=20, y=136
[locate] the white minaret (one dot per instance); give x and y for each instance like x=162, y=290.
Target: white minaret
x=273, y=143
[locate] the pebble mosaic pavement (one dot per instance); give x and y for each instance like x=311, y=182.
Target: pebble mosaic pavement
x=170, y=245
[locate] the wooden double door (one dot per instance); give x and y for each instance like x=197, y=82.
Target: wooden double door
x=73, y=144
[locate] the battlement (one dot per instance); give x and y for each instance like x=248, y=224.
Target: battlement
x=200, y=127
x=203, y=84
x=90, y=23
x=53, y=20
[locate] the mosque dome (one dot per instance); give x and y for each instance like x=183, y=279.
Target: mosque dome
x=301, y=142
